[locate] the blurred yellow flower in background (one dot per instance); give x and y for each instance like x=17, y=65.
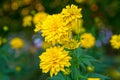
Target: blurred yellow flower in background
x=87, y=40
x=70, y=13
x=80, y=1
x=5, y=28
x=93, y=79
x=0, y=41
x=25, y=11
x=55, y=59
x=115, y=41
x=113, y=73
x=39, y=17
x=26, y=2
x=18, y=68
x=15, y=5
x=4, y=40
x=16, y=43
x=27, y=21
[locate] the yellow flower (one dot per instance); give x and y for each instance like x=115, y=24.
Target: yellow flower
x=0, y=41
x=76, y=26
x=39, y=17
x=113, y=73
x=90, y=68
x=70, y=13
x=26, y=2
x=4, y=40
x=55, y=59
x=80, y=1
x=5, y=28
x=27, y=21
x=16, y=43
x=54, y=29
x=38, y=20
x=18, y=68
x=71, y=44
x=87, y=40
x=115, y=41
x=15, y=5
x=93, y=79
x=38, y=27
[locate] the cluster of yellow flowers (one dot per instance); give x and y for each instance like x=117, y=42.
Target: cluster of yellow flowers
x=58, y=28
x=37, y=18
x=58, y=31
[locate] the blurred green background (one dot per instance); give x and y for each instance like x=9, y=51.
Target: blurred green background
x=100, y=17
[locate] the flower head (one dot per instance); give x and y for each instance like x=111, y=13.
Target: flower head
x=115, y=41
x=16, y=43
x=18, y=68
x=39, y=17
x=80, y=1
x=76, y=26
x=27, y=21
x=0, y=41
x=55, y=59
x=71, y=44
x=93, y=79
x=90, y=68
x=70, y=13
x=54, y=29
x=87, y=40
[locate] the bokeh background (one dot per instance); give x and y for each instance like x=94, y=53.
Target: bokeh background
x=100, y=17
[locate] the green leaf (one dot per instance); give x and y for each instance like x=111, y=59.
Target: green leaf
x=87, y=60
x=68, y=78
x=75, y=72
x=82, y=64
x=4, y=77
x=58, y=77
